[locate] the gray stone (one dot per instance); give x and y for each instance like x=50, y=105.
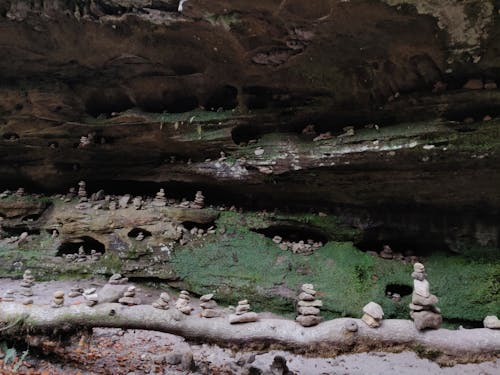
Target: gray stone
x=206, y=297
x=244, y=318
x=426, y=319
x=306, y=297
x=303, y=310
x=111, y=293
x=374, y=310
x=491, y=322
x=308, y=320
x=424, y=301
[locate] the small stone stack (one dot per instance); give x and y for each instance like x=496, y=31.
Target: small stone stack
x=243, y=314
x=137, y=203
x=76, y=291
x=308, y=307
x=91, y=297
x=58, y=299
x=20, y=192
x=162, y=302
x=8, y=296
x=94, y=255
x=199, y=200
x=423, y=311
x=373, y=315
x=129, y=297
x=117, y=279
x=386, y=252
x=82, y=192
x=26, y=284
x=208, y=306
x=140, y=236
x=160, y=200
x=183, y=303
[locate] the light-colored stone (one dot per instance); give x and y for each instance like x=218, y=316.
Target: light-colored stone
x=426, y=319
x=244, y=318
x=374, y=310
x=421, y=287
x=491, y=322
x=308, y=320
x=370, y=321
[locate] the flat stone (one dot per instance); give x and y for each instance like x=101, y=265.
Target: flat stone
x=210, y=313
x=421, y=287
x=426, y=319
x=208, y=305
x=28, y=301
x=308, y=320
x=416, y=307
x=244, y=318
x=424, y=301
x=74, y=294
x=185, y=309
x=306, y=297
x=308, y=310
x=474, y=84
x=243, y=302
x=59, y=294
x=315, y=303
x=374, y=310
x=370, y=321
x=206, y=297
x=130, y=301
x=111, y=293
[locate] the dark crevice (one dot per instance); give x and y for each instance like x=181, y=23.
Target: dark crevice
x=191, y=224
x=88, y=243
x=293, y=232
x=245, y=133
x=135, y=232
x=33, y=217
x=225, y=97
x=10, y=136
x=402, y=290
x=105, y=102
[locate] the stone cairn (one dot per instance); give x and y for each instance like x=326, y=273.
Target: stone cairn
x=58, y=299
x=183, y=303
x=199, y=200
x=423, y=311
x=76, y=291
x=243, y=314
x=308, y=307
x=20, y=192
x=27, y=282
x=82, y=192
x=137, y=203
x=372, y=315
x=208, y=306
x=140, y=236
x=117, y=279
x=300, y=247
x=160, y=200
x=129, y=297
x=91, y=297
x=8, y=296
x=162, y=302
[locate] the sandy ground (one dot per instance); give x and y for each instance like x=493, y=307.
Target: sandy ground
x=136, y=352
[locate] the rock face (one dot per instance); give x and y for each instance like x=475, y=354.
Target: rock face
x=423, y=311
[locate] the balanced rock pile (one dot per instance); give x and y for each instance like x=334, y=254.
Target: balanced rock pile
x=199, y=200
x=162, y=302
x=208, y=306
x=160, y=200
x=423, y=311
x=301, y=247
x=82, y=192
x=129, y=297
x=76, y=291
x=308, y=307
x=91, y=297
x=58, y=299
x=183, y=303
x=373, y=315
x=81, y=256
x=26, y=284
x=8, y=296
x=243, y=314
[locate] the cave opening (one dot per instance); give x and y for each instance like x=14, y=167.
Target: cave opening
x=225, y=97
x=32, y=217
x=105, y=102
x=133, y=233
x=88, y=243
x=400, y=244
x=472, y=114
x=293, y=232
x=245, y=133
x=10, y=136
x=16, y=230
x=181, y=103
x=402, y=290
x=191, y=224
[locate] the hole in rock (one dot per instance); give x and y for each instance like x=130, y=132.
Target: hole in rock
x=33, y=217
x=245, y=133
x=181, y=104
x=88, y=243
x=10, y=136
x=50, y=231
x=105, y=102
x=293, y=232
x=225, y=97
x=476, y=113
x=402, y=290
x=417, y=245
x=135, y=232
x=191, y=224
x=16, y=230
x=184, y=70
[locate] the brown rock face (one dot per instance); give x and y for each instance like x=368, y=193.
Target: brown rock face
x=160, y=93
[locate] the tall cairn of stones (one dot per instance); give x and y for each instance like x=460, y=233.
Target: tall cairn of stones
x=308, y=307
x=423, y=311
x=208, y=306
x=243, y=314
x=183, y=303
x=82, y=192
x=160, y=200
x=199, y=200
x=162, y=302
x=26, y=284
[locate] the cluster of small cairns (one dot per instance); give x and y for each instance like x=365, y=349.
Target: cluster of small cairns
x=183, y=303
x=129, y=297
x=81, y=256
x=242, y=313
x=423, y=311
x=26, y=286
x=208, y=306
x=58, y=299
x=308, y=307
x=162, y=302
x=387, y=253
x=372, y=314
x=301, y=247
